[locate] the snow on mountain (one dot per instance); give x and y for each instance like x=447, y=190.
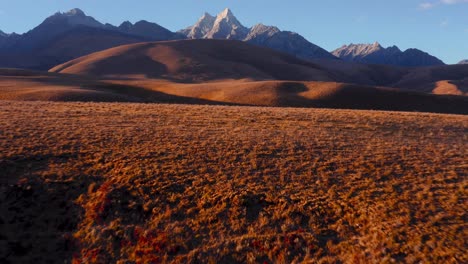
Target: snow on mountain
x=226, y=26
x=201, y=28
x=75, y=17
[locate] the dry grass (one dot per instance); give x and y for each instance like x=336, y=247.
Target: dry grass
x=33, y=86
x=137, y=183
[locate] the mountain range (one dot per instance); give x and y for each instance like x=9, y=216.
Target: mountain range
x=218, y=71
x=463, y=62
x=65, y=36
x=376, y=54
x=226, y=26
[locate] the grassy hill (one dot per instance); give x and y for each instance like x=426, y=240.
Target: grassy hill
x=100, y=182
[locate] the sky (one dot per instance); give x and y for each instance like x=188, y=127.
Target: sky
x=439, y=27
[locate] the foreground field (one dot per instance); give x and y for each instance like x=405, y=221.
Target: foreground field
x=100, y=183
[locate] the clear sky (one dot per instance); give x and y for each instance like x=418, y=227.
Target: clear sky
x=439, y=27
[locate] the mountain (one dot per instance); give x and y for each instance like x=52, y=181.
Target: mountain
x=71, y=44
x=65, y=36
x=201, y=28
x=463, y=62
x=260, y=33
x=226, y=26
x=3, y=37
x=376, y=54
x=50, y=28
x=195, y=61
x=148, y=30
x=218, y=60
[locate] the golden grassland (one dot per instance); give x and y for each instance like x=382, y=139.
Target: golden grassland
x=149, y=183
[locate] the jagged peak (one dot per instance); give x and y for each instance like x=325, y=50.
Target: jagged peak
x=206, y=18
x=227, y=16
x=206, y=15
x=225, y=13
x=263, y=28
x=261, y=25
x=375, y=44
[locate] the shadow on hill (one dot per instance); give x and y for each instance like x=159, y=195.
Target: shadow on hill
x=38, y=216
x=348, y=96
x=101, y=91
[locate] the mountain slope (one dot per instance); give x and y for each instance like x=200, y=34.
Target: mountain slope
x=27, y=85
x=71, y=44
x=195, y=60
x=214, y=60
x=208, y=60
x=376, y=54
x=147, y=30
x=463, y=62
x=65, y=36
x=226, y=26
x=49, y=29
x=201, y=28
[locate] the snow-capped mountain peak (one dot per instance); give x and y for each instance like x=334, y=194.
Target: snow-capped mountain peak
x=226, y=26
x=75, y=17
x=227, y=14
x=201, y=28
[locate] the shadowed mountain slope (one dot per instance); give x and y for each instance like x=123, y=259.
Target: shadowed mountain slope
x=195, y=60
x=208, y=60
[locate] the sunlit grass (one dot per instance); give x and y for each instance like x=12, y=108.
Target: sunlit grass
x=140, y=183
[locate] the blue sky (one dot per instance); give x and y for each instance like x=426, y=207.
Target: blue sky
x=439, y=27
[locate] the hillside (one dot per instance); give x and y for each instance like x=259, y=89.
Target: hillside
x=178, y=183
x=195, y=61
x=33, y=86
x=208, y=60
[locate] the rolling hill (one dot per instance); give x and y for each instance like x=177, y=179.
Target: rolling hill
x=195, y=61
x=208, y=60
x=237, y=73
x=156, y=183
